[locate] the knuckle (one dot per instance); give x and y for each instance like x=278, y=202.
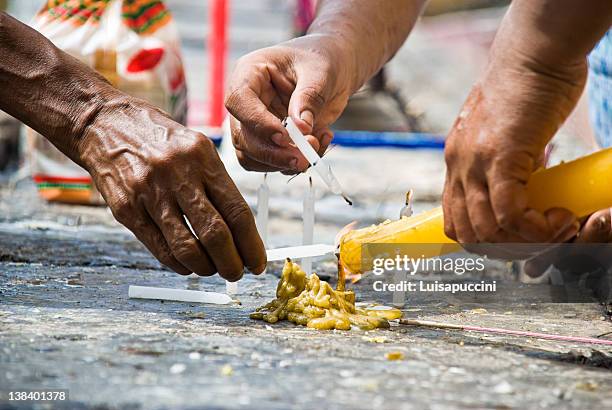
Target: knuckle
x=507, y=221
x=232, y=100
x=185, y=250
x=314, y=96
x=450, y=233
x=216, y=235
x=189, y=146
x=239, y=212
x=450, y=152
x=196, y=143
x=121, y=208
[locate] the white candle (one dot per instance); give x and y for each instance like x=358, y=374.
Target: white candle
x=308, y=219
x=261, y=220
x=178, y=295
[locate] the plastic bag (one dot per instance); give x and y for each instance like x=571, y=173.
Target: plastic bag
x=135, y=45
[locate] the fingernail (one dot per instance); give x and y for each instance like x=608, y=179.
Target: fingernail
x=307, y=117
x=278, y=139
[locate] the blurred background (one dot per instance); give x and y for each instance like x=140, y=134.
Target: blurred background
x=415, y=98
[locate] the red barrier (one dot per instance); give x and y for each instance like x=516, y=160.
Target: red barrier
x=217, y=55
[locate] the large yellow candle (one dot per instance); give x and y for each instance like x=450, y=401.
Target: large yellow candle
x=583, y=186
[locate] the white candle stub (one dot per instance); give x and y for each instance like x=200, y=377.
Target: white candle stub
x=178, y=295
x=261, y=219
x=298, y=252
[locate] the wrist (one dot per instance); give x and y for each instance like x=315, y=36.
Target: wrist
x=537, y=54
x=341, y=55
x=91, y=121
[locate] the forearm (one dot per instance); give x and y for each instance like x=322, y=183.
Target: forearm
x=551, y=36
x=370, y=31
x=47, y=89
x=539, y=59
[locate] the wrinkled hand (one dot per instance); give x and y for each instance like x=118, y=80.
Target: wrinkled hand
x=307, y=78
x=151, y=171
x=494, y=146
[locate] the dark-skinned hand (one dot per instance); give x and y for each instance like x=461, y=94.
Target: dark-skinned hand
x=151, y=171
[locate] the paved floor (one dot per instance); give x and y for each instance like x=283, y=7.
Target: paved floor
x=66, y=321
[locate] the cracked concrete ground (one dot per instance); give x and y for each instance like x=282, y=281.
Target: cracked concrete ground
x=66, y=322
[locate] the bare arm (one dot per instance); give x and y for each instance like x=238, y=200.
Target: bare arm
x=46, y=88
x=551, y=34
x=371, y=30
x=310, y=78
x=150, y=170
x=536, y=74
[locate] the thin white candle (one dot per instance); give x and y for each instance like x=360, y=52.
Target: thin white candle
x=261, y=220
x=308, y=219
x=178, y=295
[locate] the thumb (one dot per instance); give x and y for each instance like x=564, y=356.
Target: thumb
x=307, y=102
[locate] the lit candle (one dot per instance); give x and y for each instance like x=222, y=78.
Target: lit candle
x=308, y=217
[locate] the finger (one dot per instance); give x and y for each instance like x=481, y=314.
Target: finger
x=308, y=100
x=265, y=151
x=250, y=164
x=226, y=198
x=449, y=226
x=509, y=203
x=488, y=233
x=325, y=138
x=461, y=219
x=539, y=264
x=149, y=234
x=212, y=232
x=481, y=214
x=182, y=243
x=597, y=228
x=245, y=103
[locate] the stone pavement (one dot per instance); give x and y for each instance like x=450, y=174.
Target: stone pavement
x=66, y=321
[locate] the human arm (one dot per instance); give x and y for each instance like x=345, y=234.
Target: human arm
x=150, y=170
x=310, y=78
x=536, y=73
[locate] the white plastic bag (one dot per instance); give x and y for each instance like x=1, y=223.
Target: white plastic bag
x=135, y=45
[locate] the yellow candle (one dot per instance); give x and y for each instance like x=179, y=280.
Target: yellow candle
x=583, y=186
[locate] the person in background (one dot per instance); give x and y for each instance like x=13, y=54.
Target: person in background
x=536, y=73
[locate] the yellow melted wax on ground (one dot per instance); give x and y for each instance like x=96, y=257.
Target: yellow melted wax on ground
x=310, y=301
